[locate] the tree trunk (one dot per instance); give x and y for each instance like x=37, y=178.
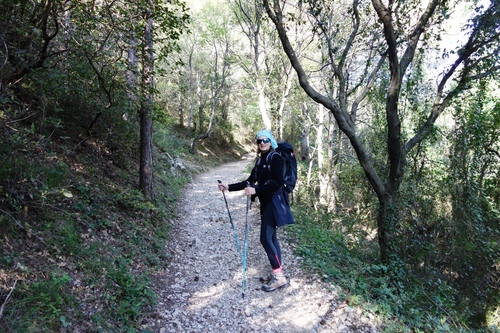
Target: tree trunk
x=343, y=120
x=146, y=162
x=289, y=75
x=249, y=16
x=331, y=189
x=304, y=141
x=189, y=128
x=191, y=94
x=263, y=107
x=322, y=177
x=192, y=147
x=386, y=220
x=132, y=70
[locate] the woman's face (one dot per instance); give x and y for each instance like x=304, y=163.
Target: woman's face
x=264, y=143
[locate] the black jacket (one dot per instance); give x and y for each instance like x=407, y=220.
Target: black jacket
x=266, y=176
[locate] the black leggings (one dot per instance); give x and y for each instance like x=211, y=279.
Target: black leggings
x=269, y=237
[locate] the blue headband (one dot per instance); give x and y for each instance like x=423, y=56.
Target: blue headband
x=269, y=135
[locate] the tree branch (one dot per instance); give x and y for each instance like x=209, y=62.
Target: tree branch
x=7, y=299
x=22, y=227
x=345, y=126
x=465, y=54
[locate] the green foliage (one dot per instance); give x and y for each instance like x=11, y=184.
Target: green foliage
x=57, y=175
x=447, y=224
x=129, y=292
x=169, y=141
x=317, y=244
x=65, y=236
x=87, y=215
x=68, y=154
x=474, y=164
x=440, y=278
x=41, y=306
x=404, y=302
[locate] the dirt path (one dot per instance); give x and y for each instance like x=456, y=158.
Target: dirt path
x=201, y=290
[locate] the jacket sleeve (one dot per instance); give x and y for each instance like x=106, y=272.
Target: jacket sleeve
x=241, y=185
x=276, y=181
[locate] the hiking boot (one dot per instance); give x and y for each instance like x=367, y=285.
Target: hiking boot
x=278, y=281
x=267, y=278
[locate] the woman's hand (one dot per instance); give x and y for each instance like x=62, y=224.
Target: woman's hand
x=249, y=191
x=222, y=186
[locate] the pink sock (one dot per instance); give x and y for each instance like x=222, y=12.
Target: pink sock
x=277, y=270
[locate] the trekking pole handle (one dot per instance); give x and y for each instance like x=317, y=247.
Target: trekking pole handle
x=249, y=198
x=220, y=183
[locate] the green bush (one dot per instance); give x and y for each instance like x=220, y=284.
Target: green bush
x=405, y=302
x=41, y=306
x=130, y=293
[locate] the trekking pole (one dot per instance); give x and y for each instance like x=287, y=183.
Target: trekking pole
x=245, y=246
x=235, y=237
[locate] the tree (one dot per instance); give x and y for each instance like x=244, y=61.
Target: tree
x=28, y=33
x=170, y=19
x=474, y=169
x=249, y=16
x=400, y=39
x=95, y=43
x=266, y=68
x=146, y=109
x=214, y=48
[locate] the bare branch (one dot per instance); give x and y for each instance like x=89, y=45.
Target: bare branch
x=7, y=298
x=21, y=226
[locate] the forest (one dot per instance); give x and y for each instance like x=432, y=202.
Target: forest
x=109, y=108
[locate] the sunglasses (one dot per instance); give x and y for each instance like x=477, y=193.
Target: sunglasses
x=266, y=140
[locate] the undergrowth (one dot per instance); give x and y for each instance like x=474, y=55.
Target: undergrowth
x=80, y=245
x=404, y=302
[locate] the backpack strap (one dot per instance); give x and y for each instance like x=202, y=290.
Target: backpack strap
x=270, y=155
x=255, y=178
x=267, y=165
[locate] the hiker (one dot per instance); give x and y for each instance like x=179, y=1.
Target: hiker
x=264, y=181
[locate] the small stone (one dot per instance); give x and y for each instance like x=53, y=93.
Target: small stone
x=213, y=311
x=248, y=312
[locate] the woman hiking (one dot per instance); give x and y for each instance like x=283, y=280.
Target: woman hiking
x=266, y=182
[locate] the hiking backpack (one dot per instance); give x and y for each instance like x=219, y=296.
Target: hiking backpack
x=285, y=150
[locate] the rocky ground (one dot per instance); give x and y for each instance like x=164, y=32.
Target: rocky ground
x=201, y=290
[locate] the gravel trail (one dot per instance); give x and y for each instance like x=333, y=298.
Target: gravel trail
x=201, y=288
